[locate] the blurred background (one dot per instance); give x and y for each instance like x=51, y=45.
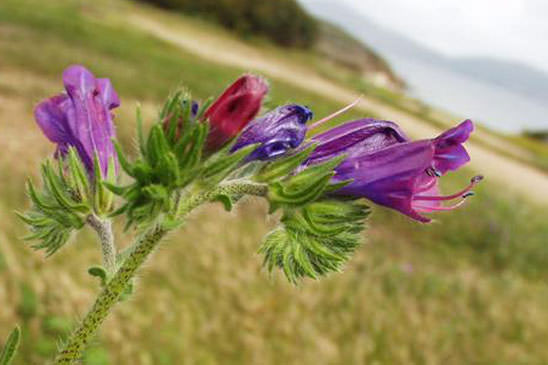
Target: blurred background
x=469, y=288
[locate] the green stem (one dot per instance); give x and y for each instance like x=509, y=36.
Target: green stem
x=146, y=243
x=103, y=227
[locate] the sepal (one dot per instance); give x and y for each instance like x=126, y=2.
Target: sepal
x=61, y=206
x=282, y=167
x=302, y=188
x=170, y=158
x=222, y=164
x=315, y=239
x=103, y=198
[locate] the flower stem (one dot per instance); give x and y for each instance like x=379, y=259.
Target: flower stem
x=103, y=227
x=145, y=244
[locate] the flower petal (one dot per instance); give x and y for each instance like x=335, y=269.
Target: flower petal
x=91, y=121
x=51, y=118
x=356, y=138
x=388, y=177
x=450, y=154
x=277, y=131
x=108, y=94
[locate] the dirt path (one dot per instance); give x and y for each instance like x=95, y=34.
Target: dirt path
x=514, y=176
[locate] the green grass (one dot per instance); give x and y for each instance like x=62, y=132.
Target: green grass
x=470, y=288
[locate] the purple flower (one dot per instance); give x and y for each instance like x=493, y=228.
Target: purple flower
x=389, y=170
x=81, y=117
x=277, y=131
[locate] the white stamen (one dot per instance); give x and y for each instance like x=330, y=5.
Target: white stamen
x=336, y=114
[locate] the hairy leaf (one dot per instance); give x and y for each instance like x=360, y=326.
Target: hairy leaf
x=315, y=239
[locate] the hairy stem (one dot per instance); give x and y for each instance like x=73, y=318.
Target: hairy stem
x=103, y=227
x=145, y=244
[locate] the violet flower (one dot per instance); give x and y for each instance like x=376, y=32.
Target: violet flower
x=389, y=170
x=278, y=131
x=81, y=118
x=234, y=109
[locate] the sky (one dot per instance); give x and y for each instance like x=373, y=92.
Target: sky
x=508, y=29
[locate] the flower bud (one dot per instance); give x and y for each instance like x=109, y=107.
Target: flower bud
x=234, y=109
x=278, y=131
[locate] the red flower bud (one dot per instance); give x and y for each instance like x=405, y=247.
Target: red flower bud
x=234, y=109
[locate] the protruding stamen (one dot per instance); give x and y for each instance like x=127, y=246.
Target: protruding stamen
x=463, y=193
x=336, y=114
x=422, y=208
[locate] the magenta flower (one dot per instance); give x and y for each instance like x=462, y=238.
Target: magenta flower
x=81, y=118
x=389, y=170
x=277, y=132
x=234, y=109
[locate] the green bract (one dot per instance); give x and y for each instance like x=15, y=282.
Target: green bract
x=66, y=199
x=171, y=158
x=315, y=239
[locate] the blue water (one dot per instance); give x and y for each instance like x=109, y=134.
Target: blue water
x=490, y=105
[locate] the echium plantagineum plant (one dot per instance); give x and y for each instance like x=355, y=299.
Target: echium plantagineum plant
x=221, y=151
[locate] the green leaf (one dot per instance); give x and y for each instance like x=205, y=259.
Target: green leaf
x=194, y=154
x=99, y=272
x=315, y=239
x=221, y=166
x=60, y=193
x=57, y=209
x=78, y=177
x=281, y=168
x=124, y=163
x=157, y=145
x=10, y=347
x=305, y=187
x=168, y=169
x=225, y=200
x=140, y=134
x=205, y=105
x=38, y=200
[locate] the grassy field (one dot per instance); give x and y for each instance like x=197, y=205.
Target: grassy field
x=470, y=288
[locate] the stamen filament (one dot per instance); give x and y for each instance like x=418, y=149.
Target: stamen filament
x=421, y=208
x=336, y=114
x=462, y=193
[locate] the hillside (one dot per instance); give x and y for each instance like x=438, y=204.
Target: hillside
x=343, y=49
x=440, y=293
x=287, y=23
x=505, y=95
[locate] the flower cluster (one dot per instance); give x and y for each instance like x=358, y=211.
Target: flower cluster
x=221, y=150
x=380, y=162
